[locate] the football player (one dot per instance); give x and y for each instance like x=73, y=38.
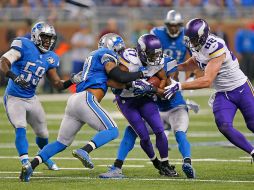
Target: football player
x=172, y=38
x=174, y=113
x=233, y=89
x=140, y=109
x=25, y=64
x=84, y=106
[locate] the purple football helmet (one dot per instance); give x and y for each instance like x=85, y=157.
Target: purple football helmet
x=196, y=33
x=149, y=49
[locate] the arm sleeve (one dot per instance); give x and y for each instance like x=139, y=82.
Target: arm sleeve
x=12, y=55
x=18, y=45
x=121, y=76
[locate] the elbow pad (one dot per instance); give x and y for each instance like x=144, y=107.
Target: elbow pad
x=122, y=76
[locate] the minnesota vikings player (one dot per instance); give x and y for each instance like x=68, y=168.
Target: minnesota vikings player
x=233, y=89
x=140, y=109
x=84, y=107
x=25, y=64
x=172, y=40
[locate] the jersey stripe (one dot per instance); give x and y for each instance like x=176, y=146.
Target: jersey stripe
x=6, y=109
x=251, y=87
x=104, y=118
x=217, y=53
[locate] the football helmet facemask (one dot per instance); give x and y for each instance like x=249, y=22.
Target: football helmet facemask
x=44, y=36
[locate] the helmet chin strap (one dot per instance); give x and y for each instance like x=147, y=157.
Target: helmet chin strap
x=172, y=35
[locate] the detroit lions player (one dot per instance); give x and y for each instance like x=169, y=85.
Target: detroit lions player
x=84, y=107
x=233, y=89
x=172, y=39
x=140, y=109
x=25, y=64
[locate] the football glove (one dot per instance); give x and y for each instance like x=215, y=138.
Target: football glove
x=141, y=86
x=76, y=78
x=21, y=82
x=172, y=88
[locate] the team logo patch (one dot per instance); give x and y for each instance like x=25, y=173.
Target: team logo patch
x=50, y=60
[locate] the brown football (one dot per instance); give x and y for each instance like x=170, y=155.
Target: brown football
x=155, y=81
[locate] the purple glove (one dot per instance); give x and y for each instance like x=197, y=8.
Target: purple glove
x=141, y=86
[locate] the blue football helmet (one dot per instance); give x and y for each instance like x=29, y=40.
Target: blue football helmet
x=44, y=36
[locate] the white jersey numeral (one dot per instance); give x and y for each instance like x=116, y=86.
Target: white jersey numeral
x=29, y=74
x=87, y=66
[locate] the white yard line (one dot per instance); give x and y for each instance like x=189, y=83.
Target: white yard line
x=144, y=159
x=110, y=96
x=17, y=172
x=136, y=179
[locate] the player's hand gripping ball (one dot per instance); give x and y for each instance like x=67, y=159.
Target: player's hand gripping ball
x=155, y=81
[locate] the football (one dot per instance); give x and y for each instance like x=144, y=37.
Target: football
x=155, y=81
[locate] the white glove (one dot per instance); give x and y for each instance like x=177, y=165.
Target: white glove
x=172, y=88
x=77, y=78
x=192, y=105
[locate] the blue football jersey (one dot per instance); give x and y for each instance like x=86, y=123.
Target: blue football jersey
x=177, y=99
x=94, y=72
x=31, y=66
x=173, y=47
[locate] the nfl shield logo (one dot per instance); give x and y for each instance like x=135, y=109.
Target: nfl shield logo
x=50, y=60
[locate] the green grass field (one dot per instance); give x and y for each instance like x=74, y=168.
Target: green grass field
x=218, y=165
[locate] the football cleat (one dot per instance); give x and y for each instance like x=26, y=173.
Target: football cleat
x=188, y=170
x=83, y=156
x=168, y=170
x=113, y=172
x=51, y=165
x=26, y=172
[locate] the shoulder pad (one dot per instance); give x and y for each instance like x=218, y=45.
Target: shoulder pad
x=130, y=55
x=214, y=47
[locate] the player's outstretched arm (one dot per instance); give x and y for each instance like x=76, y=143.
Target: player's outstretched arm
x=210, y=74
x=56, y=81
x=189, y=65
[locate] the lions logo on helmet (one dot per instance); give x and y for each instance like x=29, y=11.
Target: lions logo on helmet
x=113, y=42
x=44, y=36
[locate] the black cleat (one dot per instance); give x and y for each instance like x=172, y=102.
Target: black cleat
x=168, y=170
